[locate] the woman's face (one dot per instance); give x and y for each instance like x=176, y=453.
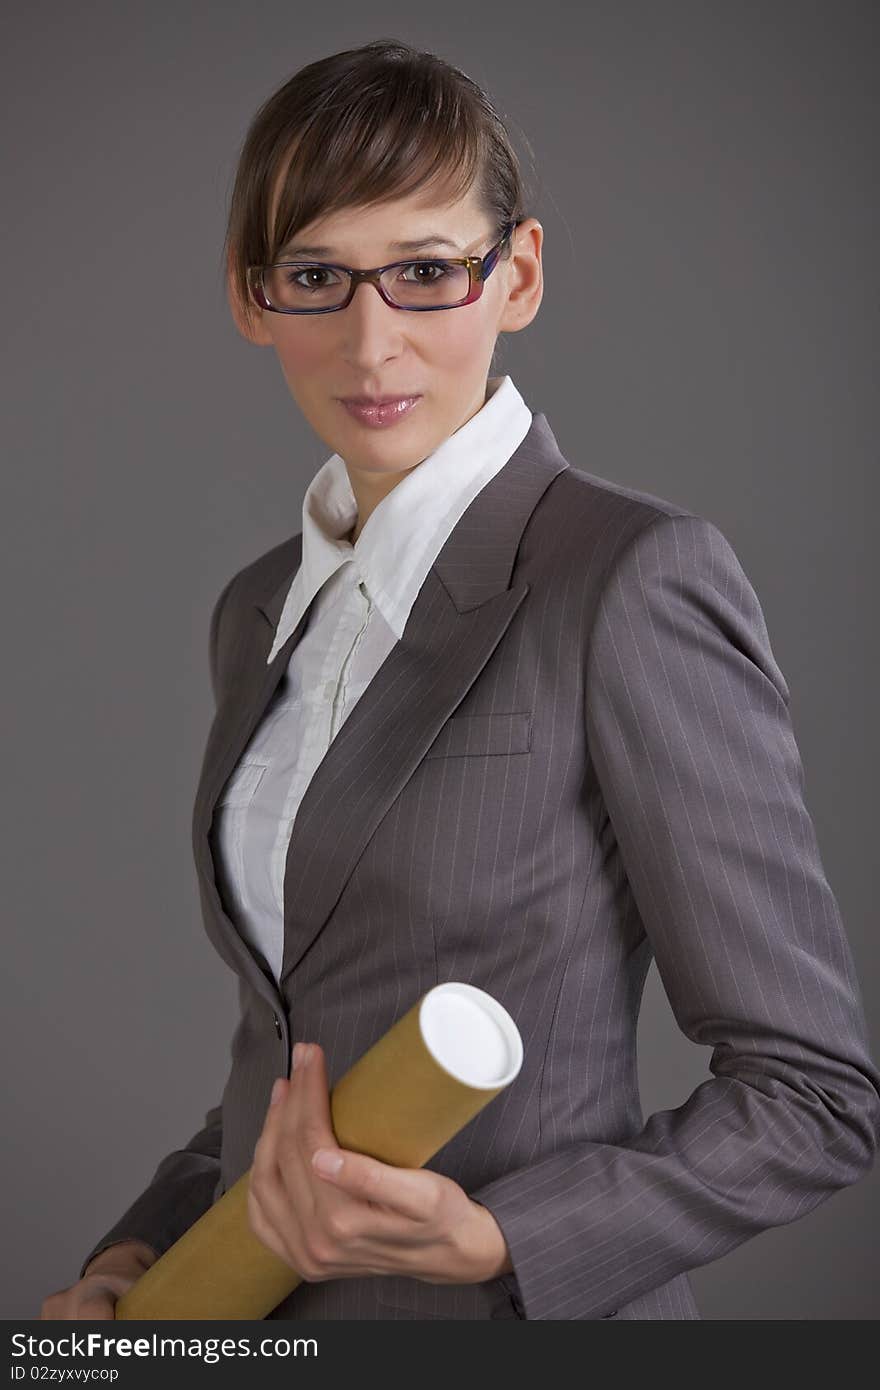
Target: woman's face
x=372, y=349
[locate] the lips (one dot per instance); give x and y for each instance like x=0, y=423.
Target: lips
x=382, y=412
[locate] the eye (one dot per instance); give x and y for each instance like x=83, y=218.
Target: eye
x=295, y=277
x=439, y=266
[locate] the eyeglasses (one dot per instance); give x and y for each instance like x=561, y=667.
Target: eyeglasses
x=296, y=287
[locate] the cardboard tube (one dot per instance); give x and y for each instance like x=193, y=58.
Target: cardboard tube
x=406, y=1097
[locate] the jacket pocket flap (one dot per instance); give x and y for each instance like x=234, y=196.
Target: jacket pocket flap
x=467, y=735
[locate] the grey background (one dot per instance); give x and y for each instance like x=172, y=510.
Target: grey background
x=707, y=187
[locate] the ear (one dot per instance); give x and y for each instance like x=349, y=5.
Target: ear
x=525, y=277
x=248, y=316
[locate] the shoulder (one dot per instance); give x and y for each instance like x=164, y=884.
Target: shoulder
x=257, y=580
x=601, y=528
x=595, y=490
x=657, y=575
x=635, y=557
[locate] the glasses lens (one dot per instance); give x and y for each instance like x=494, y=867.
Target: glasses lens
x=304, y=286
x=426, y=284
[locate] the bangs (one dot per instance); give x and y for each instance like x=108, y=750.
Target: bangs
x=371, y=150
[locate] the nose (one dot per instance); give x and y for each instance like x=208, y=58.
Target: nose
x=372, y=329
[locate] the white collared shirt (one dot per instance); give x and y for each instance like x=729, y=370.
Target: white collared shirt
x=360, y=596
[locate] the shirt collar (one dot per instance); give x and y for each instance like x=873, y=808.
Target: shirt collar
x=406, y=531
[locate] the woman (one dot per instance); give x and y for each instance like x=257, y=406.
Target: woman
x=487, y=717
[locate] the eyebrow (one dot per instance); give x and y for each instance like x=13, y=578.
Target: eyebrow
x=419, y=245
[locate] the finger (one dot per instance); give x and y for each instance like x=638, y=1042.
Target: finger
x=306, y=1118
x=413, y=1193
x=265, y=1160
x=286, y=1188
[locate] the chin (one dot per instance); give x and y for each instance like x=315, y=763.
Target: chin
x=397, y=447
x=383, y=459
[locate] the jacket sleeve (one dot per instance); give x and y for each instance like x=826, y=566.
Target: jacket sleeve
x=689, y=728
x=182, y=1187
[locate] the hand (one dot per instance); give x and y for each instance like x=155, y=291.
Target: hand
x=107, y=1277
x=366, y=1218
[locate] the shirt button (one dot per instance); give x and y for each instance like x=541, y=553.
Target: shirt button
x=277, y=1024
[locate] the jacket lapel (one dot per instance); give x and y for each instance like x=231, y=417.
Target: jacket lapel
x=244, y=702
x=460, y=614
x=379, y=746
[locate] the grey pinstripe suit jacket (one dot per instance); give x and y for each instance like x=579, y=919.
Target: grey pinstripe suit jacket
x=579, y=756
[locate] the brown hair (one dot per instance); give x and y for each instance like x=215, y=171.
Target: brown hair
x=362, y=127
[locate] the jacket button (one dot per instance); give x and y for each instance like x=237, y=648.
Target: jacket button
x=277, y=1024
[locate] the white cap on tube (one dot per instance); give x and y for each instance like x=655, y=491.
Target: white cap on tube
x=471, y=1035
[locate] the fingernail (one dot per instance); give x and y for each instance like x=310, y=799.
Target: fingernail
x=326, y=1161
x=277, y=1091
x=296, y=1057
